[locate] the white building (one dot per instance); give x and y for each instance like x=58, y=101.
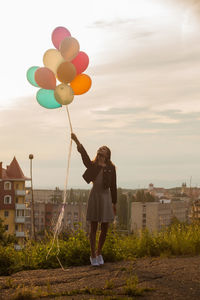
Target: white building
x=155, y=215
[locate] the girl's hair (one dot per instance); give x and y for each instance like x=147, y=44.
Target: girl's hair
x=108, y=158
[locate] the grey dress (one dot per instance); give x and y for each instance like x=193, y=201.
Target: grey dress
x=100, y=202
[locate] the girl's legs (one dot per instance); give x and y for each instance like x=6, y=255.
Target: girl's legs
x=93, y=231
x=102, y=237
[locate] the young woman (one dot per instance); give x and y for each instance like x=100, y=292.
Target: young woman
x=103, y=196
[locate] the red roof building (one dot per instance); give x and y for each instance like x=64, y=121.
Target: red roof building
x=12, y=172
x=12, y=198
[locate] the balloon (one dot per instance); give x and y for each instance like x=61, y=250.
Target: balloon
x=58, y=35
x=80, y=62
x=46, y=99
x=66, y=72
x=64, y=94
x=45, y=78
x=69, y=48
x=30, y=75
x=52, y=59
x=81, y=84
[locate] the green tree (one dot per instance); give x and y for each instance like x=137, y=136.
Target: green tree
x=5, y=238
x=122, y=209
x=142, y=196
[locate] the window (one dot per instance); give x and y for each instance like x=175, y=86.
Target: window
x=17, y=186
x=20, y=213
x=6, y=213
x=17, y=200
x=27, y=213
x=7, y=199
x=16, y=227
x=7, y=185
x=6, y=227
x=75, y=217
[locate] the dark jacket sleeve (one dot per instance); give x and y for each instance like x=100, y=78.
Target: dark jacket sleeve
x=113, y=187
x=85, y=157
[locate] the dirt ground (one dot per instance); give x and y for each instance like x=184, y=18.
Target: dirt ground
x=163, y=278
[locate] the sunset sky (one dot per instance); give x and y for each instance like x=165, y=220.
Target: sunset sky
x=145, y=98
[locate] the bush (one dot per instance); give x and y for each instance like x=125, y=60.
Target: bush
x=178, y=239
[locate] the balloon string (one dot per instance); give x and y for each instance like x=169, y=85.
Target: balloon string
x=70, y=123
x=58, y=225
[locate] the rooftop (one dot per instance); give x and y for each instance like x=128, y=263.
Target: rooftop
x=12, y=172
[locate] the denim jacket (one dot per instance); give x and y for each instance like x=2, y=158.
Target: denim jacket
x=93, y=169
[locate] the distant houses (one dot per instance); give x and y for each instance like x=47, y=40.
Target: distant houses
x=47, y=206
x=153, y=208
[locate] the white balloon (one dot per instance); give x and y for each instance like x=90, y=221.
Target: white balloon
x=52, y=59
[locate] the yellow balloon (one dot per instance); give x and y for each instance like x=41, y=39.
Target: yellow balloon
x=52, y=59
x=64, y=94
x=81, y=84
x=69, y=48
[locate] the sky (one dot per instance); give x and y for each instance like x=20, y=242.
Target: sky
x=144, y=103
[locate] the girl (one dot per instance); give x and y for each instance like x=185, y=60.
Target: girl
x=103, y=196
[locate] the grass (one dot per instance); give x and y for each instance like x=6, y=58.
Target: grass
x=179, y=239
x=131, y=288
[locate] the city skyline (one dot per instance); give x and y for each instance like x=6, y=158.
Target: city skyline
x=144, y=101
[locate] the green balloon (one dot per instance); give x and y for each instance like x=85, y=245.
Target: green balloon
x=30, y=75
x=46, y=99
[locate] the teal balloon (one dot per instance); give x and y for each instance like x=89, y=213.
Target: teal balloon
x=30, y=75
x=46, y=99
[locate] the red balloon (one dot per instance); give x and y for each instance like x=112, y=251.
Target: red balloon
x=81, y=62
x=45, y=78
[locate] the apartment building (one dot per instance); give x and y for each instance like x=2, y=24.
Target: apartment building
x=48, y=205
x=156, y=215
x=194, y=214
x=12, y=199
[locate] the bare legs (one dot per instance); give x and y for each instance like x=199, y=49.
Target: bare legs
x=102, y=237
x=93, y=231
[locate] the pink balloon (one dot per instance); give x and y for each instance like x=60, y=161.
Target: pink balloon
x=45, y=78
x=58, y=35
x=80, y=62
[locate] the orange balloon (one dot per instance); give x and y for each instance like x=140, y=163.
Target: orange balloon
x=66, y=72
x=81, y=84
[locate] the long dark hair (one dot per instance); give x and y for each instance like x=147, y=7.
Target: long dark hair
x=108, y=158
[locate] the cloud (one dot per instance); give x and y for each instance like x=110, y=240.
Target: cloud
x=144, y=104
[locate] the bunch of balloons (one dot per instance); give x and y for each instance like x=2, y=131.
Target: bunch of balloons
x=66, y=63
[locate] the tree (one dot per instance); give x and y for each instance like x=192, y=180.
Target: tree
x=122, y=209
x=5, y=238
x=141, y=196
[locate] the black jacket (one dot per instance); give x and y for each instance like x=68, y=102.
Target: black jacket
x=93, y=169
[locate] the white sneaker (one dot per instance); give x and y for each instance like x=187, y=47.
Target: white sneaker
x=100, y=260
x=94, y=261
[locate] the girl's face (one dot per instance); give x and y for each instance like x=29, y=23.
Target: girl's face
x=102, y=154
x=101, y=158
